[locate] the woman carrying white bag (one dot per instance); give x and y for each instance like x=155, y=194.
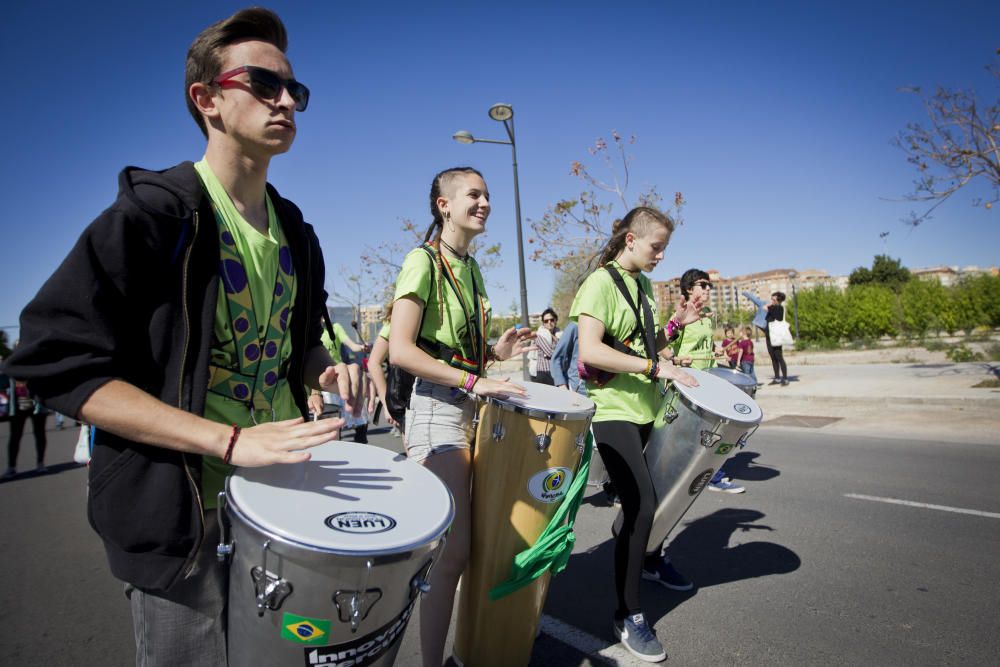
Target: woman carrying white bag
x=776, y=335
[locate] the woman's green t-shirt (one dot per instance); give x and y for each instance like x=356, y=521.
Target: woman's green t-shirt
x=630, y=397
x=446, y=319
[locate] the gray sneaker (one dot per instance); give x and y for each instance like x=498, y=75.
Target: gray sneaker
x=639, y=639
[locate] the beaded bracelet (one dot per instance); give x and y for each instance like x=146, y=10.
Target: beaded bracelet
x=470, y=381
x=232, y=443
x=649, y=367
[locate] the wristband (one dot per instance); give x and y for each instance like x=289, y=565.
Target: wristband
x=654, y=370
x=462, y=380
x=232, y=443
x=673, y=329
x=470, y=381
x=649, y=367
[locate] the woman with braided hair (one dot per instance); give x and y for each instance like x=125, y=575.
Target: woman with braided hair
x=440, y=317
x=620, y=345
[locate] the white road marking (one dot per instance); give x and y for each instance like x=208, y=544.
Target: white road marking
x=910, y=503
x=593, y=647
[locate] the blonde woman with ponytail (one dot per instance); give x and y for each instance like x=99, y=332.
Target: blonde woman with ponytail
x=619, y=337
x=440, y=317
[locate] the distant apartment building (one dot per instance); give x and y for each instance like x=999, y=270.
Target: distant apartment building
x=949, y=275
x=727, y=293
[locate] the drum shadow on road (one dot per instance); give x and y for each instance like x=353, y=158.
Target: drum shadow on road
x=701, y=551
x=742, y=467
x=334, y=478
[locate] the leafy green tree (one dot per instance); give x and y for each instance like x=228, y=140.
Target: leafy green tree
x=871, y=311
x=822, y=314
x=885, y=271
x=925, y=306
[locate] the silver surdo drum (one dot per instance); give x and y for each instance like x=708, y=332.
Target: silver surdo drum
x=739, y=379
x=694, y=433
x=329, y=556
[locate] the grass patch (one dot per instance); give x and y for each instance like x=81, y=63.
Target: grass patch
x=991, y=383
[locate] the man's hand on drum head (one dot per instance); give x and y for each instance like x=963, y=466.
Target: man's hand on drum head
x=497, y=388
x=283, y=442
x=669, y=372
x=514, y=341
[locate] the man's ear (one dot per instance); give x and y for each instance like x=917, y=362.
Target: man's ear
x=203, y=95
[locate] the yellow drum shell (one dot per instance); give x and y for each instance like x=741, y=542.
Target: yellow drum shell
x=518, y=485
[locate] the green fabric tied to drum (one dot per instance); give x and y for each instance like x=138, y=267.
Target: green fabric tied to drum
x=552, y=549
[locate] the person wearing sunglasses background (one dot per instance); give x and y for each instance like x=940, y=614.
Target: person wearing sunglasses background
x=695, y=347
x=137, y=333
x=540, y=361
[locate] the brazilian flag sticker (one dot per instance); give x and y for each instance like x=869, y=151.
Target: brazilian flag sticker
x=304, y=630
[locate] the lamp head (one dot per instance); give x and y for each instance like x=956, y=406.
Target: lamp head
x=501, y=112
x=463, y=137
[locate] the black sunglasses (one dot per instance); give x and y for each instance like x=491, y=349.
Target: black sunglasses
x=548, y=321
x=704, y=284
x=267, y=85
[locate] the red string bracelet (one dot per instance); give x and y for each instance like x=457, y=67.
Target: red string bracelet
x=232, y=443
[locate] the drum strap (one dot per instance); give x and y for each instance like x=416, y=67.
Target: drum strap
x=552, y=549
x=644, y=324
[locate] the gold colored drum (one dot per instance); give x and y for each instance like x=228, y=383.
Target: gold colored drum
x=528, y=450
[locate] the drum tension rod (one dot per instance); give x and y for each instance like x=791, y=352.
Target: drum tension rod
x=224, y=549
x=271, y=590
x=543, y=439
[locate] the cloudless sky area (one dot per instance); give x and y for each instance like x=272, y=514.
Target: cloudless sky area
x=773, y=118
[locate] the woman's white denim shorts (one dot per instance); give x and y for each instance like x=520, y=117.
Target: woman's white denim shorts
x=440, y=419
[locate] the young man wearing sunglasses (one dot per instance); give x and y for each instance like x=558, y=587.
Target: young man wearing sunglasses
x=185, y=325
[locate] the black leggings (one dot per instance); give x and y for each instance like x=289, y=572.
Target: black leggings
x=17, y=430
x=777, y=359
x=621, y=444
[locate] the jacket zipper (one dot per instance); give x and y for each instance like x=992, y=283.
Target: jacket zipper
x=193, y=556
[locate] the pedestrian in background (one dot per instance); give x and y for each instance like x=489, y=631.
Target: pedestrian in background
x=746, y=356
x=22, y=406
x=564, y=370
x=545, y=343
x=776, y=313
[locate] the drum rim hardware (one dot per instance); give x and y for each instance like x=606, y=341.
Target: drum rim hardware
x=224, y=549
x=539, y=413
x=704, y=411
x=271, y=589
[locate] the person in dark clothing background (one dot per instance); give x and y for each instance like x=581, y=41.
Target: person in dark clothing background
x=776, y=313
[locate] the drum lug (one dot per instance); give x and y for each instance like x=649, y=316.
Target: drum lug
x=581, y=441
x=498, y=431
x=354, y=606
x=270, y=589
x=742, y=442
x=542, y=441
x=224, y=549
x=709, y=439
x=669, y=414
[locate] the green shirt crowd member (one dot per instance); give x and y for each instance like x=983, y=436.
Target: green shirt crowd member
x=695, y=341
x=630, y=397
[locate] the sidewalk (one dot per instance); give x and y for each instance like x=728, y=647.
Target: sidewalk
x=922, y=396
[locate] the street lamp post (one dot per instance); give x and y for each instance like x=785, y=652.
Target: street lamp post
x=792, y=275
x=504, y=113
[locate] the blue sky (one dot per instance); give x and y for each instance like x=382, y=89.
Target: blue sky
x=773, y=118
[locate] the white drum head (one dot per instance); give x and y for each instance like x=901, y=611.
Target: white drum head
x=348, y=498
x=546, y=400
x=731, y=375
x=721, y=398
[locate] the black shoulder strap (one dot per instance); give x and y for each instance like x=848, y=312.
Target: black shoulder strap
x=643, y=323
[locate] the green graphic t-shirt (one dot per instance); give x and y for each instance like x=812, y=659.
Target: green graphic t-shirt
x=695, y=340
x=259, y=254
x=630, y=397
x=449, y=324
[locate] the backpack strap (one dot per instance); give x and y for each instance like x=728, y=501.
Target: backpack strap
x=644, y=325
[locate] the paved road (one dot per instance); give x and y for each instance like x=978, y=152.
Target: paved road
x=792, y=572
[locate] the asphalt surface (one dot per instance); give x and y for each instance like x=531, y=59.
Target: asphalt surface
x=791, y=572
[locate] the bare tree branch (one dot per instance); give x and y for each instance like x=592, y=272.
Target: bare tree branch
x=959, y=144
